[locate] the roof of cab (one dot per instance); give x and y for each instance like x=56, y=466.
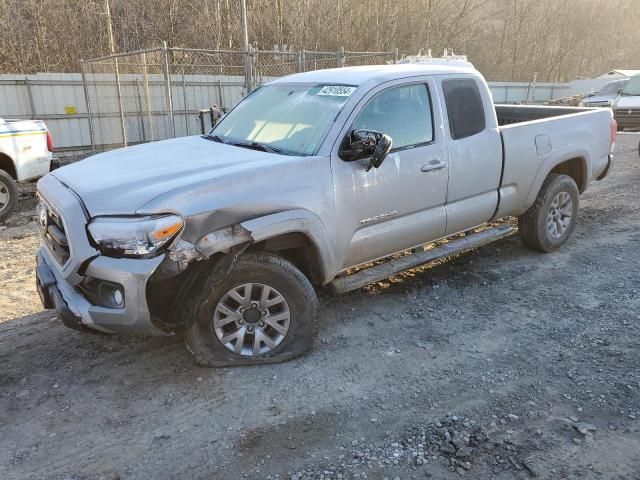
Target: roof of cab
x=380, y=73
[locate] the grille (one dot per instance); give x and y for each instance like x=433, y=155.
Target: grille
x=628, y=113
x=53, y=234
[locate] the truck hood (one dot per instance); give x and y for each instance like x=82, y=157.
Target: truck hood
x=121, y=181
x=628, y=102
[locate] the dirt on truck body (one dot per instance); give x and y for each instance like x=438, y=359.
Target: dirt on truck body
x=501, y=363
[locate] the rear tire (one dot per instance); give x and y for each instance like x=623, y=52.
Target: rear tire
x=550, y=221
x=8, y=195
x=263, y=311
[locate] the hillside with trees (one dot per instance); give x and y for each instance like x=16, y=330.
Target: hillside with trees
x=505, y=39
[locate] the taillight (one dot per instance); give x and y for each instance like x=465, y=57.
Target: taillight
x=614, y=133
x=49, y=141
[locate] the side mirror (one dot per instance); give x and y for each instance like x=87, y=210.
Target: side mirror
x=620, y=90
x=361, y=144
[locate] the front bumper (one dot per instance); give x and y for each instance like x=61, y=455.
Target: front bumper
x=77, y=312
x=59, y=285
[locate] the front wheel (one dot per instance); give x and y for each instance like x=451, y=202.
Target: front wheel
x=550, y=221
x=8, y=195
x=264, y=311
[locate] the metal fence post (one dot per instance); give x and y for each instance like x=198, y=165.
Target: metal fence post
x=341, y=58
x=533, y=87
x=88, y=103
x=167, y=86
x=30, y=96
x=146, y=93
x=249, y=70
x=220, y=97
x=184, y=100
x=396, y=55
x=119, y=94
x=140, y=115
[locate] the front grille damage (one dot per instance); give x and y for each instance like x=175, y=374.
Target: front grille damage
x=53, y=233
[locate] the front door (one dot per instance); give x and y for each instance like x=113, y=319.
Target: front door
x=401, y=204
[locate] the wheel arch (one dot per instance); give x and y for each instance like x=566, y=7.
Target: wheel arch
x=575, y=168
x=301, y=237
x=298, y=235
x=575, y=165
x=299, y=249
x=7, y=164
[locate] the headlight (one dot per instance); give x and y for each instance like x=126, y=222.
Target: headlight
x=134, y=236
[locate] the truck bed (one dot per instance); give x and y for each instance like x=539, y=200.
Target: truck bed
x=535, y=138
x=510, y=114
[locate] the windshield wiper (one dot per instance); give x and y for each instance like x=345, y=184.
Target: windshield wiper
x=215, y=138
x=266, y=147
x=256, y=146
x=253, y=145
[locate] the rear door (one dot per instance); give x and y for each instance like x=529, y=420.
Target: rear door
x=475, y=150
x=401, y=204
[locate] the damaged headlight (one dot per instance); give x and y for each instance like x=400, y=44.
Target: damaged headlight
x=137, y=237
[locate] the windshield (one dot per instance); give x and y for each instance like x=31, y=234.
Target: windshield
x=291, y=119
x=611, y=88
x=632, y=88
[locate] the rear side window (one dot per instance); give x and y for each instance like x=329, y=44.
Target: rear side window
x=464, y=107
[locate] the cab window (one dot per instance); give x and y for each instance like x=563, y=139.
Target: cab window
x=403, y=113
x=464, y=107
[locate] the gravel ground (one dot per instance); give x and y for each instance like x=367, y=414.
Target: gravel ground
x=502, y=363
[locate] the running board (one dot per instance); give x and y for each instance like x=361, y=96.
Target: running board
x=384, y=270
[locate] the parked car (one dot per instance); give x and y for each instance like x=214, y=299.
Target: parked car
x=605, y=96
x=315, y=179
x=25, y=154
x=626, y=107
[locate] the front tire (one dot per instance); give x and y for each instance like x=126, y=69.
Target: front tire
x=8, y=195
x=550, y=221
x=264, y=311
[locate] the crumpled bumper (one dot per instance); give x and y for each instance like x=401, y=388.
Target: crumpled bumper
x=78, y=312
x=62, y=281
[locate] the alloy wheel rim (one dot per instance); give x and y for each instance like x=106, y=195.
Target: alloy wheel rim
x=559, y=215
x=251, y=319
x=4, y=196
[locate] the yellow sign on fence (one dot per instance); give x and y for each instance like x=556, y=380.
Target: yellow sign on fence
x=70, y=110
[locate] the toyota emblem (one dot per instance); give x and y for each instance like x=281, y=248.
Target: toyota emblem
x=43, y=217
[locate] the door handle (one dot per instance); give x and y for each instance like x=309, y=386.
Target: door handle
x=433, y=165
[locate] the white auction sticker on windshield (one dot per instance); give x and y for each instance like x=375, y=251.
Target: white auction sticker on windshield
x=336, y=91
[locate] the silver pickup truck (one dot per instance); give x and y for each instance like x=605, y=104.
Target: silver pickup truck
x=316, y=179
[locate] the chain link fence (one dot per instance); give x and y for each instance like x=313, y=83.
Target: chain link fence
x=166, y=92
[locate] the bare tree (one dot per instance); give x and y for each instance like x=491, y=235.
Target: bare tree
x=505, y=39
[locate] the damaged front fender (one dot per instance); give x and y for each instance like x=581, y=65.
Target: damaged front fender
x=226, y=240
x=222, y=240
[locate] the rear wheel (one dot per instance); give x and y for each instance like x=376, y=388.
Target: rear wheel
x=264, y=311
x=550, y=221
x=8, y=195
